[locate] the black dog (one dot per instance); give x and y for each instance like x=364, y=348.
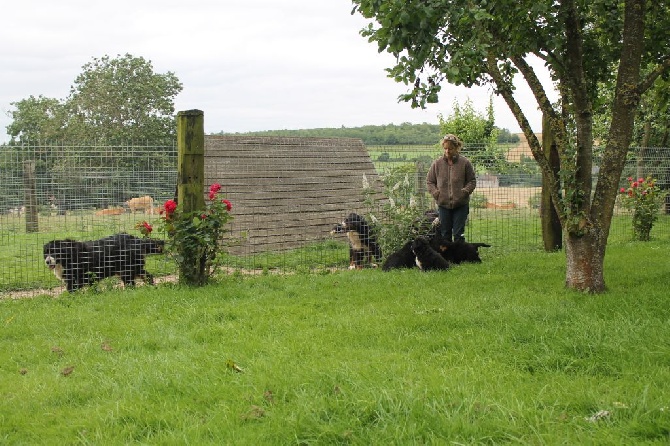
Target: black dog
x=458, y=252
x=402, y=258
x=83, y=263
x=425, y=226
x=427, y=259
x=453, y=252
x=129, y=253
x=71, y=261
x=363, y=245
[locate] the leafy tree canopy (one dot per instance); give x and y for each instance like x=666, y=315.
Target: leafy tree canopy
x=469, y=124
x=112, y=99
x=37, y=118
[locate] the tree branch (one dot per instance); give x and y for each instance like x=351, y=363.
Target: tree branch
x=505, y=90
x=647, y=82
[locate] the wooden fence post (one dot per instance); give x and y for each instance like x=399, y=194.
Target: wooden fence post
x=30, y=196
x=191, y=186
x=191, y=161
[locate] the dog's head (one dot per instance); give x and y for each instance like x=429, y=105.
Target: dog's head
x=420, y=245
x=60, y=252
x=338, y=229
x=353, y=222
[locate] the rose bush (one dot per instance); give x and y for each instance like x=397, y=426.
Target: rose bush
x=195, y=239
x=643, y=198
x=145, y=228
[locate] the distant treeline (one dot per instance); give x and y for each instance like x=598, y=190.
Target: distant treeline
x=378, y=135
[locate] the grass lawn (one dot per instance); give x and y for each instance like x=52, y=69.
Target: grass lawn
x=493, y=353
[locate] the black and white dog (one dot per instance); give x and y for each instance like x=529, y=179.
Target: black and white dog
x=82, y=263
x=363, y=246
x=427, y=259
x=426, y=226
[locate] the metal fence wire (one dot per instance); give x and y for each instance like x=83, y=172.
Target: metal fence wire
x=287, y=195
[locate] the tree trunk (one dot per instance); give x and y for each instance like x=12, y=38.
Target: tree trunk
x=585, y=258
x=552, y=231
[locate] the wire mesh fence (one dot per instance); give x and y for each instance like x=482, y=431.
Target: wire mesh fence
x=287, y=195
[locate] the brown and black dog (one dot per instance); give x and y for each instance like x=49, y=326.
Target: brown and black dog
x=363, y=246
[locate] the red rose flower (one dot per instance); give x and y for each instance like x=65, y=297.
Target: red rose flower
x=214, y=188
x=228, y=204
x=144, y=228
x=170, y=207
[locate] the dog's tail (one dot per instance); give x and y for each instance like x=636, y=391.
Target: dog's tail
x=481, y=245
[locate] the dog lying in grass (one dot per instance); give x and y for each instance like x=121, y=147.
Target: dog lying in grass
x=458, y=252
x=453, y=252
x=426, y=258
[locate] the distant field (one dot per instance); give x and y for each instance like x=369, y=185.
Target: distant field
x=385, y=157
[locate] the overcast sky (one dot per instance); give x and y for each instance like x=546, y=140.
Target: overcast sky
x=248, y=64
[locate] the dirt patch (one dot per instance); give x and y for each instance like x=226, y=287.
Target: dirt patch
x=117, y=284
x=57, y=291
x=503, y=197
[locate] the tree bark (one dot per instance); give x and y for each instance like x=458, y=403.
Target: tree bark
x=585, y=259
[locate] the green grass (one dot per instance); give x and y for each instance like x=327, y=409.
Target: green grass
x=493, y=353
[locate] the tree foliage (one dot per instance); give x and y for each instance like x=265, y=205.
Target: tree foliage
x=111, y=100
x=372, y=135
x=469, y=124
x=477, y=131
x=583, y=44
x=37, y=118
x=380, y=135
